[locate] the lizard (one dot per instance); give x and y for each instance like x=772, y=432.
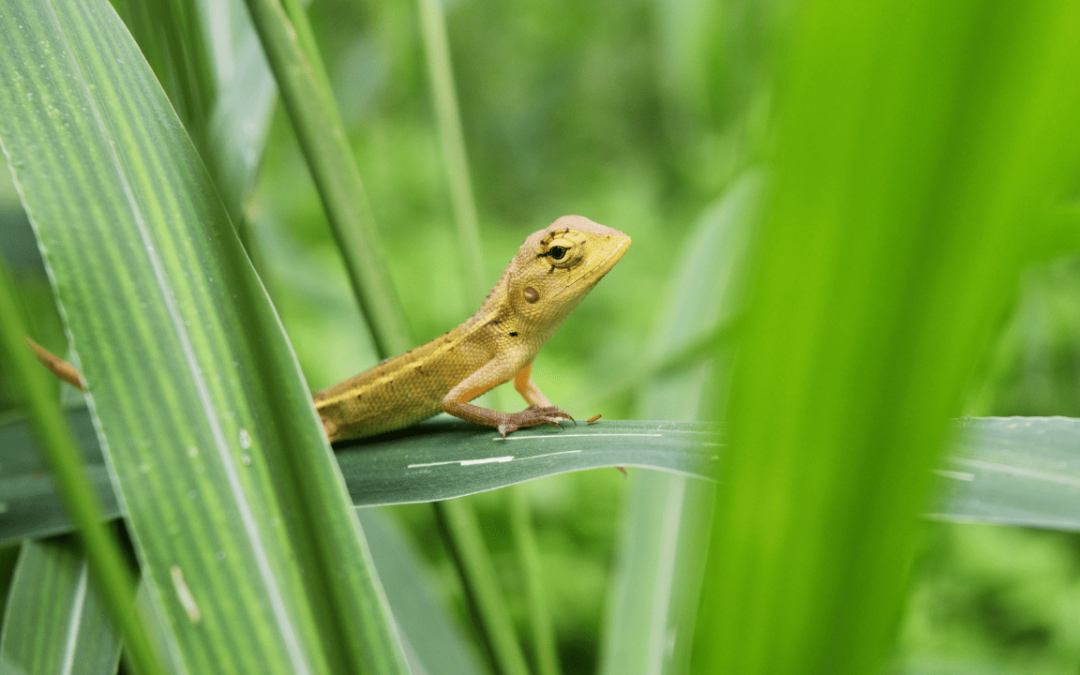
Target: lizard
x=552, y=272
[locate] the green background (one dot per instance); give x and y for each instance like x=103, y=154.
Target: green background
x=639, y=115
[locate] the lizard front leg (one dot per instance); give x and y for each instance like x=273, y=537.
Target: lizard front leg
x=525, y=386
x=528, y=389
x=495, y=372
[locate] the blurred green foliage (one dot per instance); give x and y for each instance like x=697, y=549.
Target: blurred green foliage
x=638, y=115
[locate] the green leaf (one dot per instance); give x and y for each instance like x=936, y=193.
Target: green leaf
x=218, y=80
x=917, y=143
x=170, y=35
x=238, y=512
x=9, y=555
x=1013, y=471
x=246, y=93
x=322, y=137
x=110, y=568
x=211, y=65
x=431, y=634
x=436, y=460
x=440, y=460
x=55, y=620
x=654, y=592
x=8, y=668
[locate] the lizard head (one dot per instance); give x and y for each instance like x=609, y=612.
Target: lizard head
x=556, y=267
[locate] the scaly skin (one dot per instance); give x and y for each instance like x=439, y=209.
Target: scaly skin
x=552, y=272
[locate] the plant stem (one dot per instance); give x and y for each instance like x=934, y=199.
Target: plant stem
x=326, y=148
x=488, y=603
x=453, y=142
x=547, y=654
x=462, y=533
x=306, y=37
x=107, y=563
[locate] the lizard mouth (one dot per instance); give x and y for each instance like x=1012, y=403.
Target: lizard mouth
x=604, y=266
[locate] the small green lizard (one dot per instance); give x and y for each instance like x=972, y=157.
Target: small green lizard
x=553, y=270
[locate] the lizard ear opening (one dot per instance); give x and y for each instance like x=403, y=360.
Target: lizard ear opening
x=531, y=295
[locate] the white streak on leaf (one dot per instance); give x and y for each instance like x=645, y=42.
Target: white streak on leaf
x=529, y=438
x=183, y=594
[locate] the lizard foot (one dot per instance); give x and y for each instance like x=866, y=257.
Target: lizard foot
x=532, y=416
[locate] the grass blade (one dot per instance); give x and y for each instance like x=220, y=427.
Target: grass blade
x=239, y=515
x=654, y=593
x=31, y=506
x=1012, y=470
x=441, y=74
x=208, y=59
x=546, y=654
x=56, y=621
x=81, y=502
x=430, y=632
x=917, y=141
x=464, y=537
x=447, y=114
x=326, y=148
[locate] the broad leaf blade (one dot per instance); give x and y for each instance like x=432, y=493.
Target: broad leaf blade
x=1013, y=471
x=917, y=144
x=437, y=460
x=210, y=63
x=441, y=460
x=55, y=622
x=239, y=515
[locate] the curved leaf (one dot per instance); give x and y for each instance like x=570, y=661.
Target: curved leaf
x=1020, y=471
x=238, y=513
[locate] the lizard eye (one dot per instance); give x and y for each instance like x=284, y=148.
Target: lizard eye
x=563, y=252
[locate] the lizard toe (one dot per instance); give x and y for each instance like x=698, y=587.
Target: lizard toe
x=506, y=428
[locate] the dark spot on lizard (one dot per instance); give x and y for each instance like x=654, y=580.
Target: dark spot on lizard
x=513, y=333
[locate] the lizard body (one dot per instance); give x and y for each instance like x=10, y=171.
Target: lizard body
x=552, y=272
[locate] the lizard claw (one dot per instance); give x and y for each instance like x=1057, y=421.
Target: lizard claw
x=532, y=416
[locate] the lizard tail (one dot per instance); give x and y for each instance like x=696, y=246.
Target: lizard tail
x=57, y=366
